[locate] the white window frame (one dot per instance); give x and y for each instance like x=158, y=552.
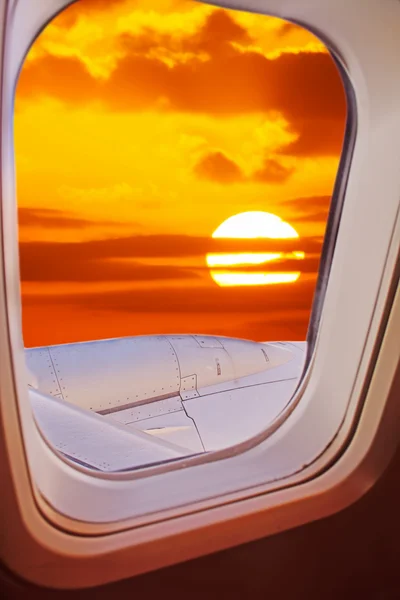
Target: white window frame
x=87, y=528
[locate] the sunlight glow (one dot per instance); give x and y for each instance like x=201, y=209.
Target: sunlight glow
x=255, y=224
x=225, y=279
x=252, y=225
x=249, y=258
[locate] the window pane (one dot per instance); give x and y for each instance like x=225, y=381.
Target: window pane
x=175, y=164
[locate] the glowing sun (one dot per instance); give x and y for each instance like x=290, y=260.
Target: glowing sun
x=251, y=225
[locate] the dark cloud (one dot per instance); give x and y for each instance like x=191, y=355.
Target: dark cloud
x=103, y=270
x=83, y=270
x=98, y=260
x=215, y=38
x=158, y=246
x=61, y=77
x=219, y=30
x=301, y=86
x=317, y=137
x=221, y=169
x=217, y=167
x=273, y=172
x=312, y=208
x=212, y=299
x=305, y=87
x=50, y=218
x=98, y=270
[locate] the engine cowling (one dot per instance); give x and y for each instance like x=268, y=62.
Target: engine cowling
x=112, y=374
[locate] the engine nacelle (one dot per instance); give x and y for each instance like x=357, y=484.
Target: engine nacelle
x=113, y=374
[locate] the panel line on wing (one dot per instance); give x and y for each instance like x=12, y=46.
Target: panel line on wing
x=56, y=372
x=204, y=393
x=195, y=425
x=134, y=404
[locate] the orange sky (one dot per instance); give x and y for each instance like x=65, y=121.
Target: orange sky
x=140, y=126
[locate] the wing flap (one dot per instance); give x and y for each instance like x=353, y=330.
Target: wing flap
x=96, y=441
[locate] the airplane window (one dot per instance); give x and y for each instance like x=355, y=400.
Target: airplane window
x=175, y=166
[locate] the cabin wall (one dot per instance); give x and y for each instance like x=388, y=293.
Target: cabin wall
x=352, y=554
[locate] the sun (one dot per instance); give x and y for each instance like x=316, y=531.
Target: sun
x=251, y=225
x=255, y=224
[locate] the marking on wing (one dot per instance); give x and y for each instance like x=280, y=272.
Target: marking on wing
x=189, y=387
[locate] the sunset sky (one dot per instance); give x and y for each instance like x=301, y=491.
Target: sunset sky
x=140, y=127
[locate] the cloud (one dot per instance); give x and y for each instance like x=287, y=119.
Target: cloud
x=305, y=87
x=214, y=37
x=50, y=218
x=98, y=260
x=101, y=270
x=217, y=33
x=217, y=167
x=300, y=86
x=273, y=172
x=211, y=299
x=64, y=78
x=317, y=137
x=98, y=270
x=312, y=208
x=157, y=246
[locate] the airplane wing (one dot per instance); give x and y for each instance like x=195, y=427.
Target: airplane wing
x=185, y=394
x=93, y=441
